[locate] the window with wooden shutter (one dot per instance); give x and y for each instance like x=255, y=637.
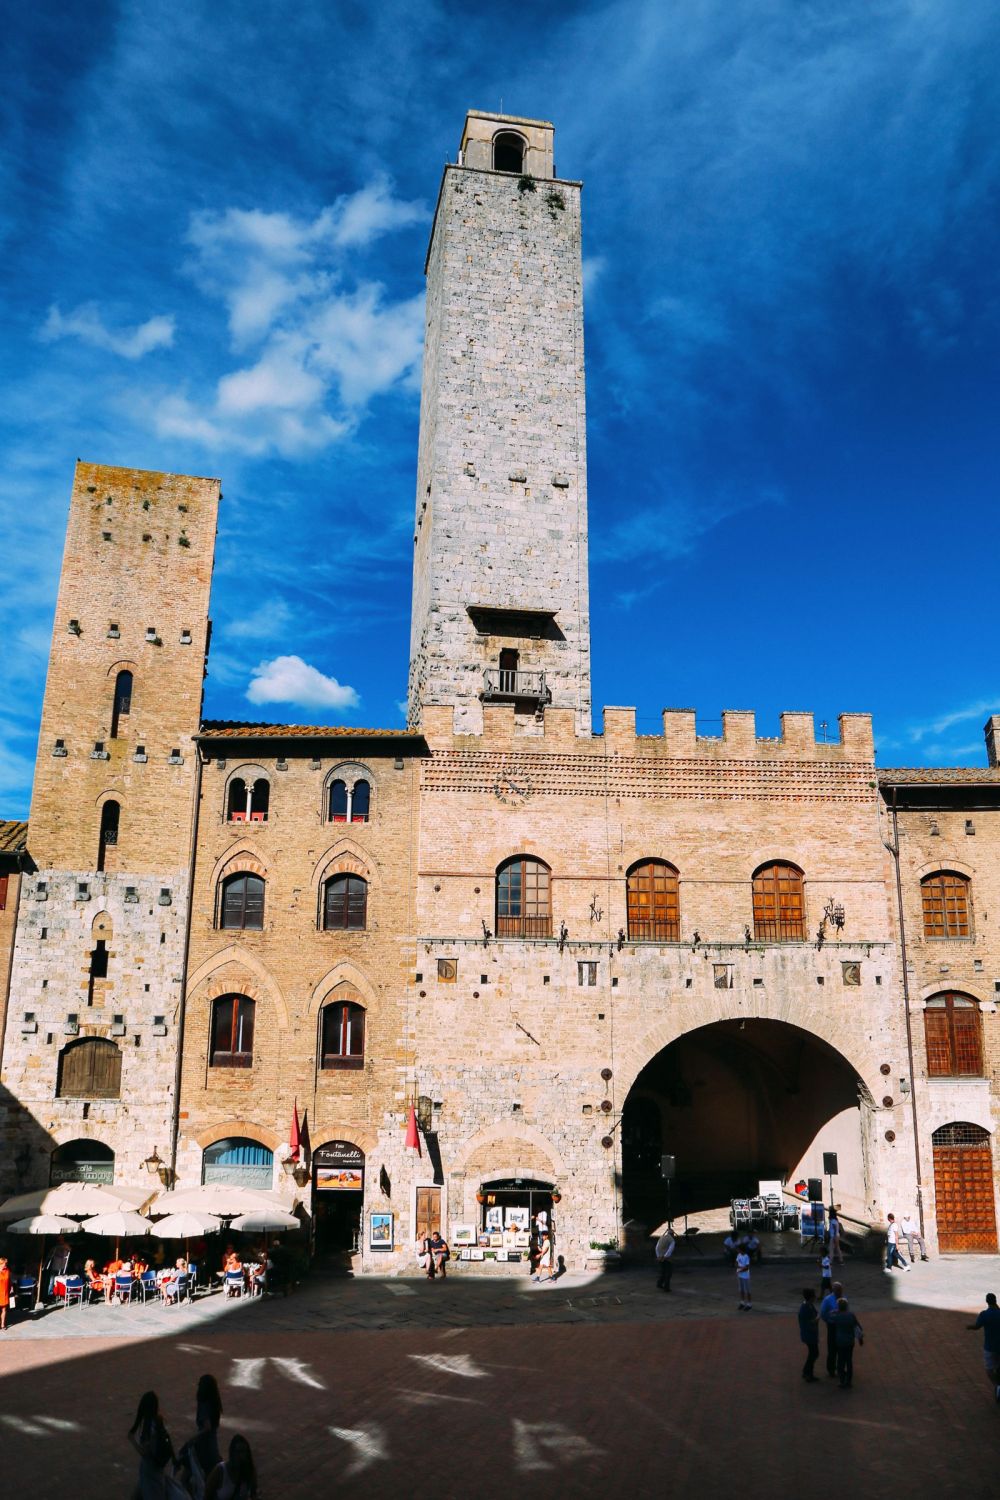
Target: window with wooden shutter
x=231, y=1043
x=654, y=913
x=242, y=902
x=953, y=1033
x=343, y=1035
x=90, y=1069
x=779, y=912
x=428, y=1214
x=524, y=899
x=345, y=904
x=945, y=899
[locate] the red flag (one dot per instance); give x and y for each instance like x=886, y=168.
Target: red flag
x=295, y=1139
x=412, y=1133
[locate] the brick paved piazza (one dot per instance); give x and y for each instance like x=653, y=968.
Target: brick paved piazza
x=475, y=1388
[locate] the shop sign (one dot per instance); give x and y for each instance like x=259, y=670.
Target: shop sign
x=82, y=1171
x=339, y=1167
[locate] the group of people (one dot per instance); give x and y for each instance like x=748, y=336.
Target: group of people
x=255, y=1272
x=198, y=1471
x=737, y=1241
x=433, y=1253
x=907, y=1229
x=168, y=1279
x=843, y=1332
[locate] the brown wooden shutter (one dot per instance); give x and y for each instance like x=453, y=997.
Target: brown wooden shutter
x=653, y=902
x=428, y=1212
x=91, y=1069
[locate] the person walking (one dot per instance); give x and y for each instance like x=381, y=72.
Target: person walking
x=827, y=1314
x=150, y=1439
x=236, y=1479
x=989, y=1322
x=665, y=1246
x=743, y=1280
x=848, y=1330
x=825, y=1274
x=809, y=1332
x=892, y=1255
x=910, y=1230
x=833, y=1229
x=200, y=1454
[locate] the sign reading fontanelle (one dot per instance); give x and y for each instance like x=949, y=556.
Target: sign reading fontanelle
x=338, y=1167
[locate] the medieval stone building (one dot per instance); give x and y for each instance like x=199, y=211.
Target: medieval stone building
x=572, y=953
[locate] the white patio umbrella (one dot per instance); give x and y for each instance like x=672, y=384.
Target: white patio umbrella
x=44, y=1225
x=186, y=1226
x=118, y=1226
x=75, y=1200
x=216, y=1198
x=265, y=1221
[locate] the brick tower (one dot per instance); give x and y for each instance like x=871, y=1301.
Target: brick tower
x=90, y=1049
x=500, y=609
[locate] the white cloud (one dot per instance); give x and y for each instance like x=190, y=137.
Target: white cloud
x=972, y=711
x=363, y=216
x=289, y=679
x=87, y=324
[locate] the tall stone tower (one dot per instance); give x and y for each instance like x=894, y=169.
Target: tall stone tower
x=91, y=1044
x=500, y=600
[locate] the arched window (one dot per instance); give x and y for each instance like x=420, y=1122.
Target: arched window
x=241, y=903
x=345, y=904
x=231, y=1042
x=238, y=1162
x=110, y=818
x=779, y=907
x=953, y=1032
x=524, y=906
x=122, y=705
x=90, y=1069
x=82, y=1161
x=508, y=152
x=945, y=899
x=654, y=912
x=248, y=800
x=350, y=801
x=342, y=1035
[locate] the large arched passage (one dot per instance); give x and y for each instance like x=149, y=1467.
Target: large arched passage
x=735, y=1103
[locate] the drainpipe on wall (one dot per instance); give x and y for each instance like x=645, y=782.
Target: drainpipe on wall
x=893, y=849
x=175, y=1118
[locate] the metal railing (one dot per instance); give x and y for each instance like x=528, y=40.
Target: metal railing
x=502, y=683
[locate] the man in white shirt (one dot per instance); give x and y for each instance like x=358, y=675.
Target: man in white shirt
x=892, y=1255
x=910, y=1229
x=664, y=1251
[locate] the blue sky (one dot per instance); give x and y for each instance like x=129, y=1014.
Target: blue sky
x=213, y=219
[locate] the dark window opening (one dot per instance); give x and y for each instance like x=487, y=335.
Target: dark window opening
x=249, y=801
x=508, y=152
x=345, y=904
x=350, y=804
x=242, y=902
x=232, y=1032
x=523, y=899
x=509, y=659
x=110, y=817
x=343, y=1036
x=122, y=703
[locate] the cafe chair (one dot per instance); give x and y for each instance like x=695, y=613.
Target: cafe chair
x=124, y=1289
x=72, y=1290
x=235, y=1285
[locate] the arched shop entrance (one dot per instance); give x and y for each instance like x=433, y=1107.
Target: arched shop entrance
x=338, y=1169
x=82, y=1161
x=736, y=1103
x=508, y=1209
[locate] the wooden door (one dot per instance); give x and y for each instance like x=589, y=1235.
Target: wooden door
x=428, y=1212
x=963, y=1184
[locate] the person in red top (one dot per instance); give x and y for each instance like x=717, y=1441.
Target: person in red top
x=4, y=1293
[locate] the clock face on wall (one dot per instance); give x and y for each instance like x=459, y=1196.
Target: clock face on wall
x=513, y=786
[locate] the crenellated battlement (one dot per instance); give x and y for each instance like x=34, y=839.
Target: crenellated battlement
x=555, y=730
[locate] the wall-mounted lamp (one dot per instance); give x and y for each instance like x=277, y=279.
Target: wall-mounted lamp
x=904, y=1085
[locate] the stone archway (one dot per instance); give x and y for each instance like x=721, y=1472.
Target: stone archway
x=739, y=1102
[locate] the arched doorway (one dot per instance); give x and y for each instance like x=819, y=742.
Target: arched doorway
x=82, y=1161
x=963, y=1187
x=737, y=1103
x=338, y=1169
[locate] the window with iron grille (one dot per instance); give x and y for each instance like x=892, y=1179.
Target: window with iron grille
x=231, y=1042
x=122, y=706
x=953, y=1032
x=654, y=912
x=779, y=914
x=945, y=898
x=345, y=904
x=960, y=1133
x=523, y=899
x=241, y=903
x=342, y=1041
